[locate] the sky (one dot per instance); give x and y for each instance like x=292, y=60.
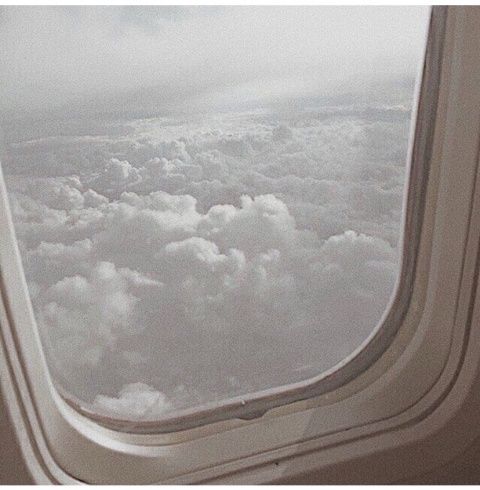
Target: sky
x=173, y=58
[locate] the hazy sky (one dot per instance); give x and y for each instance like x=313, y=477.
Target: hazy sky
x=174, y=56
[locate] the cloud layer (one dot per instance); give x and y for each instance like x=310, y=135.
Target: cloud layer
x=179, y=262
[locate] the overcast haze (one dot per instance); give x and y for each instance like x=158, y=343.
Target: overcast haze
x=207, y=200
x=178, y=56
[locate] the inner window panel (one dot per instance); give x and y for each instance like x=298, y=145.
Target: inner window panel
x=207, y=200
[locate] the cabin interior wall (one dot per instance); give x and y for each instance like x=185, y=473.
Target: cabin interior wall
x=13, y=470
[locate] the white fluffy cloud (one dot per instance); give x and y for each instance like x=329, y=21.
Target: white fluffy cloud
x=179, y=263
x=87, y=314
x=136, y=400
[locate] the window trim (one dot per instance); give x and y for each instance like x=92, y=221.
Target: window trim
x=373, y=413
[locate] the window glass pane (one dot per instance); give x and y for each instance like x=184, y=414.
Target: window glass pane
x=207, y=200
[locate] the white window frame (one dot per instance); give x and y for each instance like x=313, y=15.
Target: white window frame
x=426, y=381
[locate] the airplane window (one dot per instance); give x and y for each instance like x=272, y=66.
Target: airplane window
x=207, y=200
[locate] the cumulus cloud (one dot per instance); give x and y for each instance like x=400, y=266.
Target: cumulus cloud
x=135, y=400
x=190, y=258
x=118, y=175
x=91, y=308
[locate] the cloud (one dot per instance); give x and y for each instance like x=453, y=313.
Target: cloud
x=93, y=199
x=86, y=315
x=135, y=400
x=61, y=194
x=208, y=257
x=118, y=175
x=195, y=251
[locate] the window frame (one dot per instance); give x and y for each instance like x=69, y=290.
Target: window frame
x=399, y=401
